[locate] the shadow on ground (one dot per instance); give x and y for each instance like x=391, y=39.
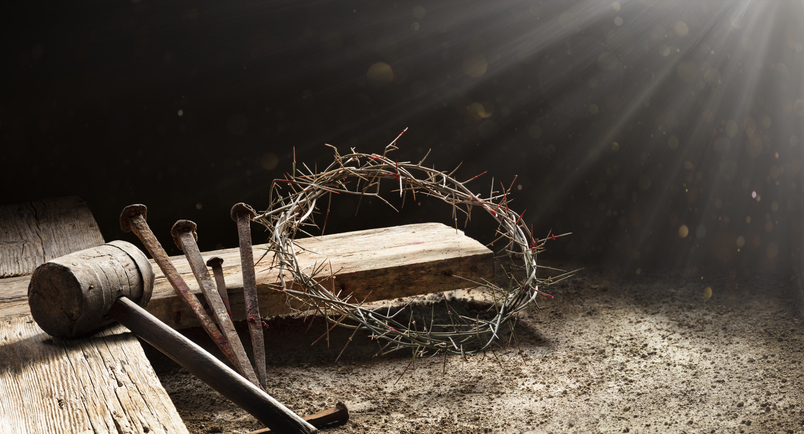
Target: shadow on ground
x=645, y=353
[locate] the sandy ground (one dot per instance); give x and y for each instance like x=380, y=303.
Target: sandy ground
x=646, y=353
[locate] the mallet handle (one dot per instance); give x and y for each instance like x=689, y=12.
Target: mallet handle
x=208, y=368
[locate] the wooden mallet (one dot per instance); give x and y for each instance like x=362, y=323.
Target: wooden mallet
x=83, y=291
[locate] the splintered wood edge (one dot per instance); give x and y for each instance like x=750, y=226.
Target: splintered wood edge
x=371, y=265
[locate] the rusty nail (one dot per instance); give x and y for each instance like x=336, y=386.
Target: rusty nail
x=242, y=214
x=216, y=263
x=185, y=236
x=133, y=219
x=337, y=415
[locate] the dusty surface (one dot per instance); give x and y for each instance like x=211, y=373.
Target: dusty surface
x=646, y=353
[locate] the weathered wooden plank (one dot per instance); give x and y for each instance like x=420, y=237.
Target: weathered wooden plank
x=33, y=233
x=14, y=297
x=99, y=384
x=376, y=264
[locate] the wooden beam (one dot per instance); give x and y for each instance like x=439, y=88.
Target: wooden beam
x=376, y=264
x=14, y=297
x=98, y=384
x=33, y=233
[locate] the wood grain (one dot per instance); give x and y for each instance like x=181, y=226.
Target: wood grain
x=376, y=264
x=14, y=297
x=98, y=384
x=33, y=233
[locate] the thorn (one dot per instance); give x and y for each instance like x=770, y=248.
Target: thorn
x=397, y=137
x=477, y=176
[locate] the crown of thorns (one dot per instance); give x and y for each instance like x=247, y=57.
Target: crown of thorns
x=295, y=198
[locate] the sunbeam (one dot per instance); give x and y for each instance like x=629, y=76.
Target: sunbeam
x=661, y=133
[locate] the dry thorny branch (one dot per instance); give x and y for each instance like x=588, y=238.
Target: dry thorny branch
x=293, y=205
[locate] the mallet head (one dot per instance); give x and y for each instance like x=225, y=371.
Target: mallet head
x=71, y=295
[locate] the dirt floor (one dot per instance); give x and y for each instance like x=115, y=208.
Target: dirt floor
x=645, y=353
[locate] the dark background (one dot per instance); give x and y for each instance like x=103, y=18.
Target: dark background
x=662, y=134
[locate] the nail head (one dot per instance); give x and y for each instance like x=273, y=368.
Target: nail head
x=131, y=211
x=181, y=227
x=242, y=208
